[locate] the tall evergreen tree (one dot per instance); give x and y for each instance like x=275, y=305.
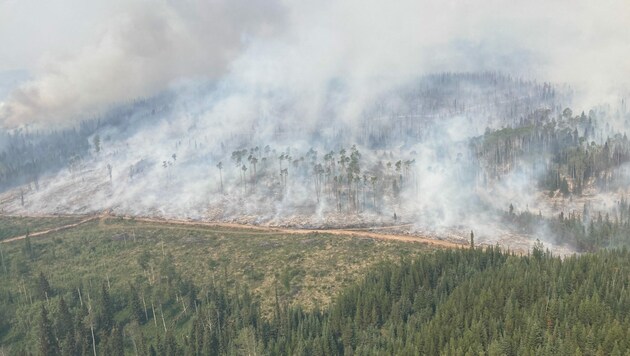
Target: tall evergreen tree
x=47, y=342
x=64, y=328
x=44, y=289
x=135, y=306
x=106, y=312
x=117, y=347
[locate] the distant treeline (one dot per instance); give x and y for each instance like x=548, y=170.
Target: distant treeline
x=26, y=154
x=585, y=230
x=404, y=116
x=567, y=153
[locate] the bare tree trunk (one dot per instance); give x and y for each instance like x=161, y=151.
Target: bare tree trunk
x=3, y=264
x=93, y=339
x=146, y=315
x=154, y=318
x=163, y=321
x=221, y=178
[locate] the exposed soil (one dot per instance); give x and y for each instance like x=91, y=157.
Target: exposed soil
x=48, y=231
x=358, y=232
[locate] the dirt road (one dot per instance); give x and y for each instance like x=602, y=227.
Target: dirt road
x=359, y=233
x=362, y=232
x=48, y=231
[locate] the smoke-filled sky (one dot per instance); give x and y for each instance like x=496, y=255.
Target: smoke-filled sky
x=78, y=57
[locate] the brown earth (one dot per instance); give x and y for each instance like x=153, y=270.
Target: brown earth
x=359, y=232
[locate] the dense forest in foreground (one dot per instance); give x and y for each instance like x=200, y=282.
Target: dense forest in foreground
x=454, y=302
x=450, y=151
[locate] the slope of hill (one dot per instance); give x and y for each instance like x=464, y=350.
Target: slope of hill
x=128, y=287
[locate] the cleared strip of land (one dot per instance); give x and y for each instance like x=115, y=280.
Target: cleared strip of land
x=361, y=233
x=51, y=230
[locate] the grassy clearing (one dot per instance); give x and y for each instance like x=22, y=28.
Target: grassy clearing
x=304, y=269
x=308, y=270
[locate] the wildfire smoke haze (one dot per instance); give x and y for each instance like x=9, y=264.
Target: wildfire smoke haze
x=450, y=116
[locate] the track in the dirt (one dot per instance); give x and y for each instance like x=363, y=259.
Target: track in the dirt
x=360, y=233
x=48, y=231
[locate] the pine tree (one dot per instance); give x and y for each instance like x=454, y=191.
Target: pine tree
x=210, y=342
x=82, y=334
x=116, y=342
x=106, y=315
x=135, y=306
x=47, y=342
x=170, y=344
x=44, y=289
x=27, y=249
x=64, y=325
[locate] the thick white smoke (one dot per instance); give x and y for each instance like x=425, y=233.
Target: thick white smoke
x=140, y=49
x=119, y=51
x=296, y=75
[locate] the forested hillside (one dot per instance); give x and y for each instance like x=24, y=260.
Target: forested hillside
x=566, y=153
x=162, y=261
x=455, y=302
x=28, y=154
x=316, y=178
x=444, y=153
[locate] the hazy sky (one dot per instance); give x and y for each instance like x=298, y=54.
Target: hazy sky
x=84, y=55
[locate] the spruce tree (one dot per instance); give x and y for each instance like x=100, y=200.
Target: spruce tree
x=117, y=347
x=27, y=249
x=47, y=342
x=44, y=289
x=135, y=305
x=64, y=327
x=106, y=316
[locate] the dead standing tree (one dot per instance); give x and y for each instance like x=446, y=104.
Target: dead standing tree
x=220, y=167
